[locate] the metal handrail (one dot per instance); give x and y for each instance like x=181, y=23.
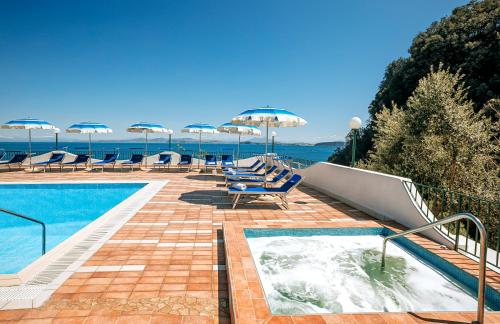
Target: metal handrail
x=44, y=231
x=482, y=258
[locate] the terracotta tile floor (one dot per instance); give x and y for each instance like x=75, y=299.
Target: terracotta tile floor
x=179, y=274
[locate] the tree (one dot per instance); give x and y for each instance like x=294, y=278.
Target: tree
x=438, y=139
x=467, y=41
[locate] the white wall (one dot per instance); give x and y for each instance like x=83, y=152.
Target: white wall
x=380, y=195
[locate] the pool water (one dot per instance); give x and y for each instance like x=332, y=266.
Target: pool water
x=64, y=208
x=342, y=274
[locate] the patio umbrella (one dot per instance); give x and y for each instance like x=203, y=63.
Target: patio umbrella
x=200, y=129
x=268, y=117
x=240, y=130
x=29, y=124
x=89, y=128
x=147, y=128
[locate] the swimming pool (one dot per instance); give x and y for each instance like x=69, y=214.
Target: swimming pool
x=65, y=208
x=338, y=270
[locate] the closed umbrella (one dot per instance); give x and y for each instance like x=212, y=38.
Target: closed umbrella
x=89, y=128
x=29, y=124
x=200, y=128
x=240, y=130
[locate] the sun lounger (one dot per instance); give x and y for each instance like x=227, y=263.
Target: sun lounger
x=136, y=159
x=280, y=192
x=163, y=159
x=79, y=159
x=234, y=172
x=55, y=158
x=186, y=161
x=227, y=161
x=16, y=160
x=259, y=181
x=210, y=161
x=109, y=158
x=269, y=171
x=249, y=168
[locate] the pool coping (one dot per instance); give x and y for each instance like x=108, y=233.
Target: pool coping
x=247, y=300
x=35, y=283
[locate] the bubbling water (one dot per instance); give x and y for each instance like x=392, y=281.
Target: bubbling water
x=342, y=274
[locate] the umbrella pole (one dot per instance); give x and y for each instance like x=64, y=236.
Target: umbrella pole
x=267, y=139
x=146, y=152
x=266, y=157
x=29, y=144
x=199, y=151
x=238, y=160
x=90, y=151
x=170, y=142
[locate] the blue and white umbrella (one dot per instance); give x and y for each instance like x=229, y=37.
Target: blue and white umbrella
x=89, y=128
x=268, y=117
x=29, y=124
x=200, y=128
x=147, y=128
x=240, y=130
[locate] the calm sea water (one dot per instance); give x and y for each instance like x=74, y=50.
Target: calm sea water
x=314, y=153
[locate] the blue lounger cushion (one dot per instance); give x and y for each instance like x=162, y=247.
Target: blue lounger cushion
x=54, y=158
x=135, y=159
x=250, y=168
x=293, y=181
x=185, y=159
x=16, y=159
x=249, y=174
x=210, y=160
x=227, y=160
x=277, y=178
x=79, y=159
x=108, y=158
x=164, y=159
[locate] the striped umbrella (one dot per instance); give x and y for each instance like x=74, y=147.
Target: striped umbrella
x=268, y=117
x=200, y=129
x=240, y=130
x=89, y=128
x=29, y=124
x=147, y=128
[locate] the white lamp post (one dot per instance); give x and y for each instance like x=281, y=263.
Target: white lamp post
x=354, y=125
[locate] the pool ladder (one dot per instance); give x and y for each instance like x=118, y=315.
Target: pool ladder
x=44, y=231
x=482, y=255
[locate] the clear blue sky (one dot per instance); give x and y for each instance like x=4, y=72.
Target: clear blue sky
x=179, y=62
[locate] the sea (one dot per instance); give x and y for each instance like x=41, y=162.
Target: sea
x=304, y=152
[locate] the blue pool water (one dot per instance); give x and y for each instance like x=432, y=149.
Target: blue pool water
x=64, y=208
x=338, y=270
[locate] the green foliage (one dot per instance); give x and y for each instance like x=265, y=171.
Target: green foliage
x=438, y=139
x=467, y=41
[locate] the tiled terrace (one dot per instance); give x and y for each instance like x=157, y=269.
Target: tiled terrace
x=167, y=264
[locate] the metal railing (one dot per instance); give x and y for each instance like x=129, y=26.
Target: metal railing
x=482, y=257
x=298, y=163
x=438, y=203
x=44, y=230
